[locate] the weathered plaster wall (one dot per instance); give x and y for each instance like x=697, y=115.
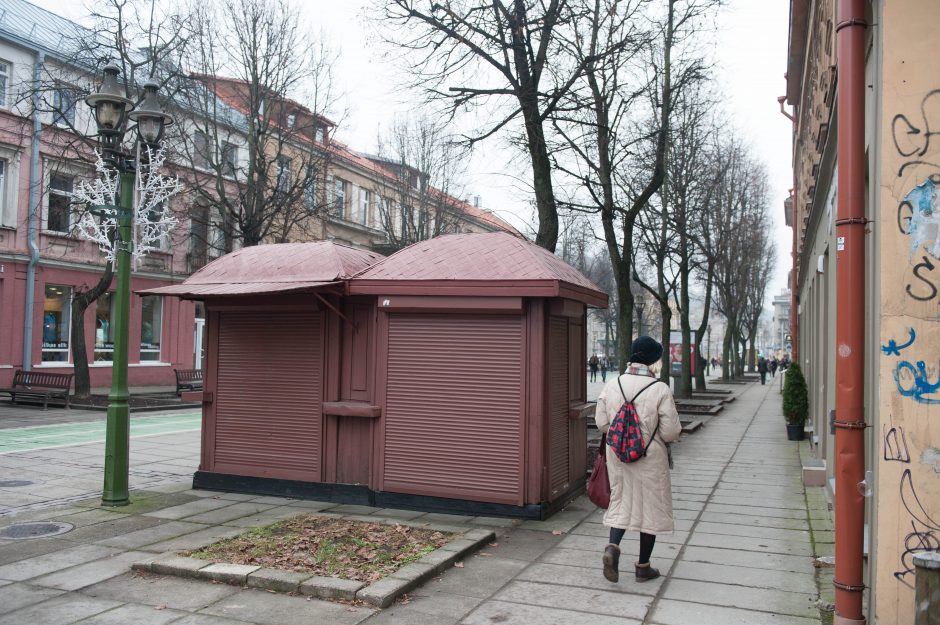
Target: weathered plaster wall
x=908, y=362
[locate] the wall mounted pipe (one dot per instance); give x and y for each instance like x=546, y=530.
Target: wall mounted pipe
x=33, y=214
x=850, y=314
x=795, y=271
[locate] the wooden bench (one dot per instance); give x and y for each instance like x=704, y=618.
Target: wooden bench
x=40, y=384
x=188, y=380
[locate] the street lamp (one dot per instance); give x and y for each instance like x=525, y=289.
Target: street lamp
x=112, y=111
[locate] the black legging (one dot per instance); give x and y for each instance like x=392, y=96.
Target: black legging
x=647, y=542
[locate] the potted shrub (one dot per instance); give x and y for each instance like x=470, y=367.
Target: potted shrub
x=795, y=402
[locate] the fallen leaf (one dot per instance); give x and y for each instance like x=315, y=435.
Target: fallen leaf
x=494, y=544
x=557, y=532
x=459, y=565
x=160, y=607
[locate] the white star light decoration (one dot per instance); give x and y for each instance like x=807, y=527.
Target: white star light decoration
x=151, y=221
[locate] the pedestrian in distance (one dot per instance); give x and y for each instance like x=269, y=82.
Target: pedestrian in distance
x=773, y=367
x=593, y=363
x=640, y=490
x=762, y=369
x=603, y=369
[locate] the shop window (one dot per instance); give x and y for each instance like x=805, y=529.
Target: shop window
x=151, y=327
x=60, y=197
x=104, y=328
x=56, y=320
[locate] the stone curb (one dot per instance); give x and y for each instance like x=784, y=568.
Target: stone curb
x=381, y=593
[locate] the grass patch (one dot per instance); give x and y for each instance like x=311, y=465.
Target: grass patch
x=327, y=546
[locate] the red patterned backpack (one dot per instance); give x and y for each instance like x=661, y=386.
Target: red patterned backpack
x=624, y=435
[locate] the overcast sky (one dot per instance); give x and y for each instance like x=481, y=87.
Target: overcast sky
x=751, y=58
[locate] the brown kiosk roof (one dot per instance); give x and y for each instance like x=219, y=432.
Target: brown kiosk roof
x=275, y=268
x=485, y=264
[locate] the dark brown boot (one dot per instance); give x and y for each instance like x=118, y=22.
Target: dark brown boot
x=644, y=572
x=612, y=562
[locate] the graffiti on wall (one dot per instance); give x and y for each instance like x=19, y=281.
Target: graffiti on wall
x=917, y=380
x=924, y=533
x=895, y=445
x=918, y=214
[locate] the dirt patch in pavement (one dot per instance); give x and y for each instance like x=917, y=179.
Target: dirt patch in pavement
x=327, y=546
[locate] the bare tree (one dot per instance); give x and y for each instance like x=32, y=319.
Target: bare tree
x=502, y=55
x=259, y=138
x=419, y=200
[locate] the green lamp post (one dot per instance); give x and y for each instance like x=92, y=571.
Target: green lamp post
x=112, y=112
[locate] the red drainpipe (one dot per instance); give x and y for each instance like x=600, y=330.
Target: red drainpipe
x=850, y=320
x=794, y=350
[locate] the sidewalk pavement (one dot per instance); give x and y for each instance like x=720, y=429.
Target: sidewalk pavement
x=741, y=554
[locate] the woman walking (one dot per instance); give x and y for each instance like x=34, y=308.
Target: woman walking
x=640, y=491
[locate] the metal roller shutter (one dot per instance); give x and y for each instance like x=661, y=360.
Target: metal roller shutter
x=453, y=416
x=268, y=398
x=558, y=447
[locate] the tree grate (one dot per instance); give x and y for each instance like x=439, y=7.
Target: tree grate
x=23, y=531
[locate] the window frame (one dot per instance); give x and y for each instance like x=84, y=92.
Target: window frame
x=5, y=81
x=109, y=331
x=61, y=193
x=66, y=323
x=60, y=114
x=340, y=192
x=156, y=330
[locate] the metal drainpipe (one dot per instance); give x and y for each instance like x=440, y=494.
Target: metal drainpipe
x=794, y=325
x=33, y=210
x=850, y=320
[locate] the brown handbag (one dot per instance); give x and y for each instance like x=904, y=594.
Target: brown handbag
x=598, y=485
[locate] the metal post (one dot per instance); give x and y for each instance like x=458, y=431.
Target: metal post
x=117, y=436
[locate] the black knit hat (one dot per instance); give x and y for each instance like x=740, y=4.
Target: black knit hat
x=646, y=350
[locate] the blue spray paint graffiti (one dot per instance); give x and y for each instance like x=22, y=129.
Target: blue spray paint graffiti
x=914, y=379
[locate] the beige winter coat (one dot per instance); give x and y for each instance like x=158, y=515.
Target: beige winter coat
x=640, y=491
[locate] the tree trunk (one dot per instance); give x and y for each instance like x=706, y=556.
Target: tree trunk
x=81, y=300
x=684, y=388
x=665, y=373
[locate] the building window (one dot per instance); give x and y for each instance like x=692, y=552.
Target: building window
x=60, y=197
x=320, y=135
x=104, y=328
x=3, y=187
x=362, y=207
x=151, y=327
x=155, y=215
x=56, y=320
x=339, y=198
x=200, y=150
x=4, y=80
x=63, y=107
x=229, y=158
x=291, y=120
x=310, y=189
x=283, y=174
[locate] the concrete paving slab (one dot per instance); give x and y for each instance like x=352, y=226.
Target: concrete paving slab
x=671, y=612
x=268, y=516
x=227, y=513
x=136, y=614
x=738, y=529
x=521, y=544
x=196, y=540
x=777, y=513
x=190, y=509
x=121, y=525
x=90, y=573
x=480, y=577
x=151, y=535
x=206, y=619
x=447, y=606
x=755, y=521
x=313, y=506
x=594, y=601
x=797, y=547
x=507, y=613
x=17, y=550
x=743, y=576
x=798, y=564
x=58, y=611
x=258, y=606
x=592, y=578
x=155, y=590
x=14, y=596
x=275, y=501
x=56, y=561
